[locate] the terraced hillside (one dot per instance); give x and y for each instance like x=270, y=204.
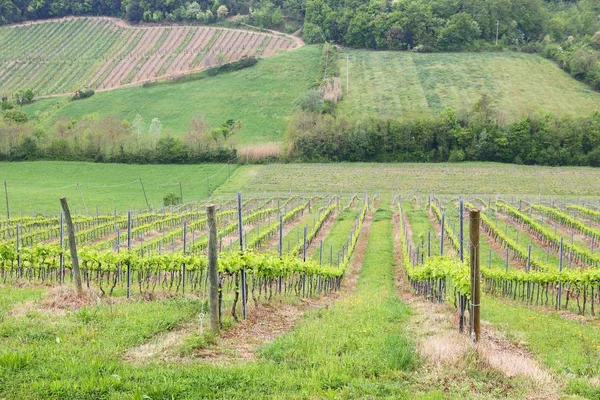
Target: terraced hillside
x=64, y=55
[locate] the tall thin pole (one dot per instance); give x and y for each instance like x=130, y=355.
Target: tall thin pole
x=475, y=284
x=497, y=31
x=280, y=235
x=442, y=235
x=181, y=192
x=145, y=197
x=7, y=207
x=211, y=218
x=129, y=249
x=82, y=200
x=347, y=72
x=461, y=231
x=61, y=243
x=241, y=232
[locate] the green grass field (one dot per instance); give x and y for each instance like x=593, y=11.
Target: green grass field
x=37, y=186
x=260, y=97
x=409, y=85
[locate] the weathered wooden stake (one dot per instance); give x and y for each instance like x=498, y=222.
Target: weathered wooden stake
x=442, y=235
x=72, y=246
x=61, y=243
x=128, y=249
x=241, y=232
x=475, y=284
x=461, y=229
x=211, y=218
x=280, y=235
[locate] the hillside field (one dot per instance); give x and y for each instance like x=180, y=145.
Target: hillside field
x=410, y=85
x=64, y=55
x=260, y=97
x=392, y=84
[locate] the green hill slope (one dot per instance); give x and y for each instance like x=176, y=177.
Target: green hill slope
x=406, y=84
x=260, y=97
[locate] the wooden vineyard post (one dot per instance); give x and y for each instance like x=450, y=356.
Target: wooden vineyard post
x=211, y=219
x=304, y=259
x=475, y=284
x=461, y=230
x=429, y=243
x=442, y=235
x=72, y=245
x=61, y=257
x=241, y=232
x=321, y=253
x=129, y=249
x=184, y=251
x=280, y=235
x=280, y=278
x=7, y=206
x=19, y=272
x=560, y=268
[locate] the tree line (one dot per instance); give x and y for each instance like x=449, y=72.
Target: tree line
x=448, y=137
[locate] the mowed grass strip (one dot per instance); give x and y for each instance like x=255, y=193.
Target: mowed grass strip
x=358, y=346
x=337, y=236
x=261, y=97
x=35, y=187
x=410, y=85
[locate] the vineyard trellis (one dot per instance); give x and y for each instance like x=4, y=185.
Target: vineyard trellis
x=513, y=270
x=35, y=250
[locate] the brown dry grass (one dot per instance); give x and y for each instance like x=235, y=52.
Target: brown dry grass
x=60, y=299
x=260, y=153
x=332, y=90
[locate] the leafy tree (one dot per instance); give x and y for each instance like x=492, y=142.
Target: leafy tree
x=134, y=13
x=310, y=101
x=23, y=97
x=222, y=12
x=460, y=31
x=155, y=128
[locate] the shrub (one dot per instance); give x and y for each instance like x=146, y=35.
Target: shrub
x=16, y=116
x=83, y=94
x=171, y=199
x=310, y=101
x=456, y=155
